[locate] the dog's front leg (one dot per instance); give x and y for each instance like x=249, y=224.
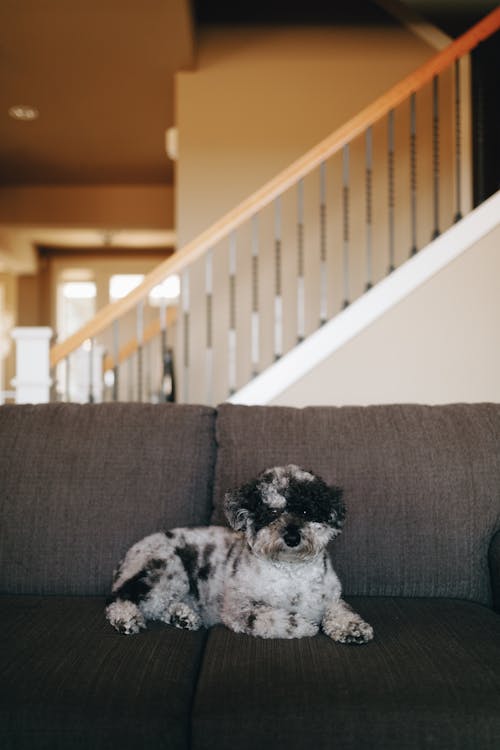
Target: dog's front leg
x=264, y=621
x=344, y=625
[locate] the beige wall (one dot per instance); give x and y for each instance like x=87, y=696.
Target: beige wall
x=440, y=345
x=260, y=97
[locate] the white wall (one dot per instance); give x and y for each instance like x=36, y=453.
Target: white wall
x=439, y=345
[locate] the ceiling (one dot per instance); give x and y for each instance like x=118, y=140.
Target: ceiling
x=101, y=75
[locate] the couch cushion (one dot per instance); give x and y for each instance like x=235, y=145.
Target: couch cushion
x=422, y=487
x=68, y=680
x=430, y=679
x=80, y=483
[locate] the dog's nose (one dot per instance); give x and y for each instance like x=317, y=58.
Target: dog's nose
x=292, y=536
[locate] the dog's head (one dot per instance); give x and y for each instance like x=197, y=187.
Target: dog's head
x=287, y=514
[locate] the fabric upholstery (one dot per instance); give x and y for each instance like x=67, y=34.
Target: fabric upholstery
x=68, y=681
x=422, y=487
x=430, y=679
x=80, y=483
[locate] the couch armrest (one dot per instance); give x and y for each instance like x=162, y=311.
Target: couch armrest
x=494, y=563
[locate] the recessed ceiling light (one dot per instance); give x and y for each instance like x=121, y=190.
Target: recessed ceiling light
x=24, y=112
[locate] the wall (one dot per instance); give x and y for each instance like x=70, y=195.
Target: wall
x=440, y=345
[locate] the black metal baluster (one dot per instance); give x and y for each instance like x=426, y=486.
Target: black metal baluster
x=91, y=371
x=278, y=302
x=232, y=343
x=345, y=214
x=67, y=394
x=140, y=348
x=323, y=293
x=458, y=144
x=369, y=206
x=300, y=263
x=255, y=322
x=435, y=153
x=390, y=170
x=209, y=326
x=185, y=334
x=116, y=358
x=413, y=173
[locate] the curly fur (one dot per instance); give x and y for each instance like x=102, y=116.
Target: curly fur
x=269, y=575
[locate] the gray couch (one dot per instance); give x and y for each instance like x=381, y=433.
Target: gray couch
x=419, y=559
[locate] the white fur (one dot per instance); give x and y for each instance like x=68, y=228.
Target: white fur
x=252, y=579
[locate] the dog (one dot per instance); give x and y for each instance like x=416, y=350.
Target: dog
x=269, y=575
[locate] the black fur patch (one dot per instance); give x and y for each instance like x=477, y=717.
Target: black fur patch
x=135, y=589
x=315, y=501
x=169, y=534
x=251, y=620
x=309, y=501
x=188, y=556
x=206, y=568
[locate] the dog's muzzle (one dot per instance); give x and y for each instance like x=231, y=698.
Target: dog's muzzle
x=292, y=536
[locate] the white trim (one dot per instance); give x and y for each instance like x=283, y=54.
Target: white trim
x=372, y=305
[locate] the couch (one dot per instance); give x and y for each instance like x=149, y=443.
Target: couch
x=419, y=559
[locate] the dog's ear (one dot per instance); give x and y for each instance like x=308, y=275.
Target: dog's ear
x=240, y=504
x=235, y=511
x=337, y=507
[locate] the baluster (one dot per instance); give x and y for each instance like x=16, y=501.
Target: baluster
x=323, y=294
x=458, y=144
x=345, y=214
x=301, y=311
x=91, y=371
x=255, y=296
x=185, y=330
x=163, y=346
x=413, y=172
x=278, y=301
x=231, y=343
x=116, y=358
x=435, y=153
x=130, y=378
x=67, y=372
x=209, y=322
x=140, y=346
x=390, y=196
x=369, y=206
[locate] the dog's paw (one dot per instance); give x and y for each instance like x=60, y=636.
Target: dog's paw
x=353, y=631
x=180, y=615
x=125, y=617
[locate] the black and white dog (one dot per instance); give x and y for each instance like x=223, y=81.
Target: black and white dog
x=268, y=576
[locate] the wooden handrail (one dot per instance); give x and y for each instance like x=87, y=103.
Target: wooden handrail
x=284, y=180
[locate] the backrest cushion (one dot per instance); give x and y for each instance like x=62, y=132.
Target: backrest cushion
x=421, y=487
x=80, y=483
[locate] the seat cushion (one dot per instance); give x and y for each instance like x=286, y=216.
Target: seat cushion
x=430, y=679
x=421, y=487
x=79, y=484
x=69, y=681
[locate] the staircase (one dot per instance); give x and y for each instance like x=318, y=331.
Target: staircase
x=303, y=264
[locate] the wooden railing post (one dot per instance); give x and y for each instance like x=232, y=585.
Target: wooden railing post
x=32, y=382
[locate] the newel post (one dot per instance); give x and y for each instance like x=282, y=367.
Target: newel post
x=32, y=382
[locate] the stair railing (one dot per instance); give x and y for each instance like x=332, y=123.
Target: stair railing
x=308, y=242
